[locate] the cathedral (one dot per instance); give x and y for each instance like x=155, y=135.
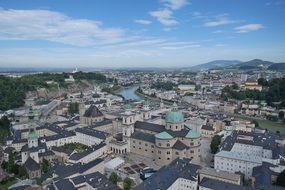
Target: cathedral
x=162, y=143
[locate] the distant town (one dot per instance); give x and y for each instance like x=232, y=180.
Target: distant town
x=217, y=126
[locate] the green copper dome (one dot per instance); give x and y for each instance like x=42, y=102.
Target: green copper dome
x=32, y=135
x=174, y=117
x=192, y=134
x=128, y=107
x=163, y=136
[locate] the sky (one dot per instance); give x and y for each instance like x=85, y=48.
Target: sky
x=139, y=33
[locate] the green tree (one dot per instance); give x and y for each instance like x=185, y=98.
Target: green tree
x=215, y=143
x=113, y=178
x=281, y=179
x=127, y=183
x=4, y=165
x=4, y=128
x=281, y=115
x=235, y=86
x=45, y=166
x=73, y=108
x=262, y=82
x=23, y=172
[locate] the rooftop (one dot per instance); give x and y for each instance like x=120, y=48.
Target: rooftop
x=167, y=175
x=163, y=136
x=218, y=185
x=93, y=111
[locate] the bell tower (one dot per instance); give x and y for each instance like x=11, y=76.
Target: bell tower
x=146, y=113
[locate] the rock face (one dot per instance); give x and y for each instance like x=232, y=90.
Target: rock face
x=54, y=91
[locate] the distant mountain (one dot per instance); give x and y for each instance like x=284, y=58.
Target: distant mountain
x=277, y=66
x=258, y=64
x=215, y=64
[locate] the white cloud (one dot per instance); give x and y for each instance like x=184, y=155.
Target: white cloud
x=181, y=47
x=142, y=21
x=55, y=27
x=219, y=22
x=167, y=29
x=218, y=31
x=248, y=28
x=174, y=4
x=164, y=16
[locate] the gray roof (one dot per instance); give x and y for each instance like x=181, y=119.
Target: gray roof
x=179, y=145
x=96, y=180
x=32, y=165
x=208, y=127
x=101, y=123
x=218, y=185
x=149, y=126
x=64, y=171
x=167, y=175
x=266, y=140
x=263, y=177
x=143, y=136
x=61, y=149
x=64, y=184
x=89, y=150
x=92, y=132
x=93, y=111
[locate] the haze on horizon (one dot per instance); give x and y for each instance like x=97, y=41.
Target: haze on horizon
x=149, y=33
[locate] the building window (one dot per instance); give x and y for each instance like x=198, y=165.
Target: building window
x=134, y=147
x=134, y=141
x=168, y=152
x=159, y=144
x=168, y=144
x=177, y=153
x=168, y=158
x=146, y=150
x=146, y=144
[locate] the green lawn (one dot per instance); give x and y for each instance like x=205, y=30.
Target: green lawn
x=266, y=124
x=75, y=146
x=7, y=183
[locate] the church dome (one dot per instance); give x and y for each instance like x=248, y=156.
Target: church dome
x=32, y=135
x=174, y=116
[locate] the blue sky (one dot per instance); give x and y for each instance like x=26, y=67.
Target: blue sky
x=139, y=33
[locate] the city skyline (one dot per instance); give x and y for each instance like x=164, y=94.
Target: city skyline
x=160, y=33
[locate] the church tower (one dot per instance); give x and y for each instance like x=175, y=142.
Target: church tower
x=81, y=109
x=32, y=147
x=128, y=121
x=146, y=113
x=32, y=136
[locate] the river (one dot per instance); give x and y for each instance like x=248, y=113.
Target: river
x=129, y=93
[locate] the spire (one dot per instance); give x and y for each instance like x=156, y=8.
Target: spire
x=31, y=114
x=174, y=108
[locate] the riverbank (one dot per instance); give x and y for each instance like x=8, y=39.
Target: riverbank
x=153, y=98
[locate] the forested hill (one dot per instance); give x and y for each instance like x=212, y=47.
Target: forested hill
x=13, y=90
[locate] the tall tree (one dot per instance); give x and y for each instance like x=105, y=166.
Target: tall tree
x=113, y=178
x=281, y=179
x=215, y=143
x=281, y=115
x=127, y=183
